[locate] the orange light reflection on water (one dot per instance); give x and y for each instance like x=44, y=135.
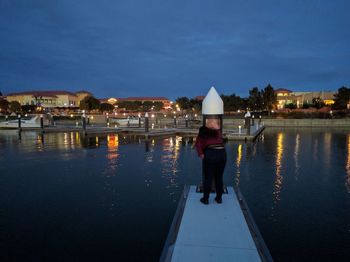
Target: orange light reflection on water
x=238, y=163
x=279, y=177
x=112, y=144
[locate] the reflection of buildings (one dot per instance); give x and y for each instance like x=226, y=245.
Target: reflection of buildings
x=112, y=144
x=169, y=161
x=110, y=197
x=238, y=163
x=296, y=155
x=285, y=97
x=327, y=148
x=347, y=167
x=279, y=177
x=315, y=150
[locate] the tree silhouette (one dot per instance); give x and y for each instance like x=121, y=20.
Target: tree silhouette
x=4, y=105
x=15, y=107
x=106, y=107
x=342, y=98
x=183, y=102
x=269, y=97
x=89, y=103
x=255, y=100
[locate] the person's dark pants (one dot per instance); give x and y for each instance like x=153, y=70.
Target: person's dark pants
x=213, y=168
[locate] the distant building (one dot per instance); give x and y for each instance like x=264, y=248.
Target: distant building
x=199, y=98
x=326, y=96
x=49, y=99
x=166, y=102
x=285, y=97
x=111, y=100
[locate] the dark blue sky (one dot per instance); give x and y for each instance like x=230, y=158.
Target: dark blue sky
x=173, y=48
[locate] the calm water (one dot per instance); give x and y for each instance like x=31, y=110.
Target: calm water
x=112, y=198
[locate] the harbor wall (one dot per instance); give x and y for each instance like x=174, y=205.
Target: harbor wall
x=272, y=122
x=232, y=123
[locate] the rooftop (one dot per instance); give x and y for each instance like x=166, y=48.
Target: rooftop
x=283, y=90
x=46, y=93
x=147, y=98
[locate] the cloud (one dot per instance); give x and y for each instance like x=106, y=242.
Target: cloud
x=173, y=49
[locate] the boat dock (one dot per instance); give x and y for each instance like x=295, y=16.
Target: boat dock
x=214, y=232
x=156, y=132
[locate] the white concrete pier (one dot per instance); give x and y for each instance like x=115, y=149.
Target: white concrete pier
x=214, y=232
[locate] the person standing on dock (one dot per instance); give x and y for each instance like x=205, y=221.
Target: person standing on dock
x=211, y=150
x=210, y=146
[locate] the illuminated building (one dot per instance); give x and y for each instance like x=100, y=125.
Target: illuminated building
x=48, y=99
x=285, y=97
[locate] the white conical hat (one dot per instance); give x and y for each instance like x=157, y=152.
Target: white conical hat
x=212, y=103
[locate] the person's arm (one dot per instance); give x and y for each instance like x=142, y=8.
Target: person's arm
x=199, y=147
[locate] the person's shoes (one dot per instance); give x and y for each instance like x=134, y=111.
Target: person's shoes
x=204, y=201
x=218, y=200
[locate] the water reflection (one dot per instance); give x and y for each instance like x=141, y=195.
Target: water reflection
x=315, y=150
x=296, y=156
x=112, y=153
x=347, y=167
x=149, y=147
x=327, y=148
x=110, y=197
x=40, y=142
x=238, y=163
x=279, y=178
x=169, y=163
x=254, y=148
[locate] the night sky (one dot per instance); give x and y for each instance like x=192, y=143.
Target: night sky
x=173, y=48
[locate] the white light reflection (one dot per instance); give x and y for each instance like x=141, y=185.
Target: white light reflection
x=327, y=149
x=347, y=167
x=296, y=155
x=169, y=163
x=65, y=141
x=315, y=150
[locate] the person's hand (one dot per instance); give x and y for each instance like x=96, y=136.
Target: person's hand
x=201, y=156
